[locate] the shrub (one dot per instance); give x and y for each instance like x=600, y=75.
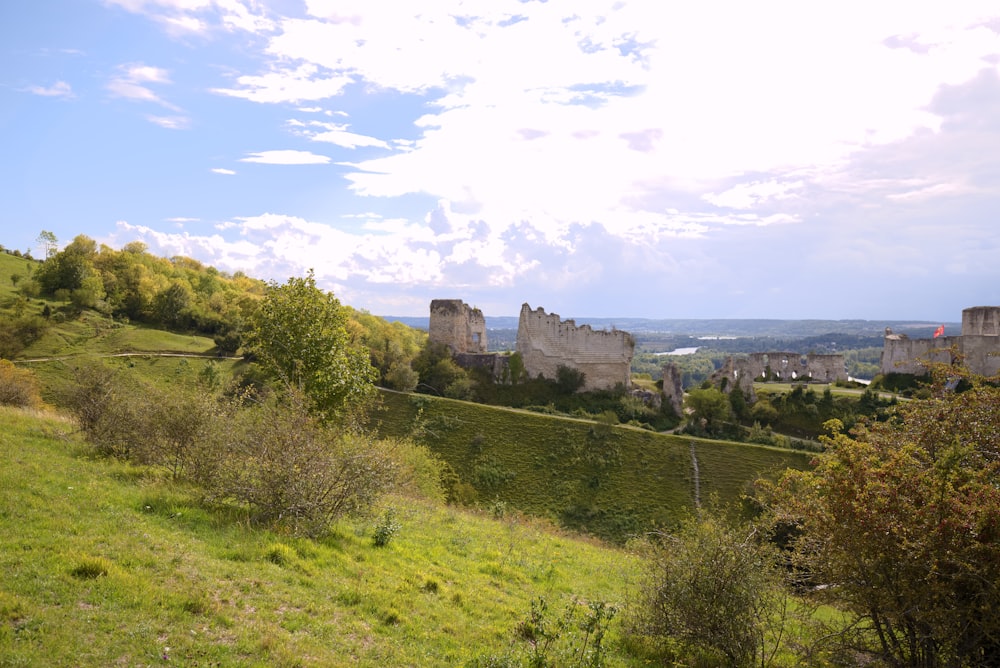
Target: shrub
x=711, y=592
x=108, y=407
x=294, y=471
x=18, y=387
x=386, y=529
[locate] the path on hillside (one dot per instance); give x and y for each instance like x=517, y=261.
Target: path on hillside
x=63, y=358
x=697, y=478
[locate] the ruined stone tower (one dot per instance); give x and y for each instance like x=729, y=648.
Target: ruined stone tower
x=458, y=326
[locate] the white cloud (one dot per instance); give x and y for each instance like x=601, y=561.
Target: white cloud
x=750, y=195
x=222, y=170
x=285, y=84
x=131, y=84
x=183, y=17
x=336, y=133
x=170, y=122
x=603, y=113
x=286, y=157
x=58, y=89
x=181, y=219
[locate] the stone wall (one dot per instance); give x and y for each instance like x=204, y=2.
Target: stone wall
x=545, y=343
x=458, y=326
x=736, y=372
x=978, y=347
x=673, y=391
x=981, y=321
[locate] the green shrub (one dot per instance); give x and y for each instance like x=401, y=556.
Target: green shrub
x=386, y=529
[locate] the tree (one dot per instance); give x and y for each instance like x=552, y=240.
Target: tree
x=50, y=245
x=711, y=590
x=299, y=334
x=899, y=525
x=709, y=408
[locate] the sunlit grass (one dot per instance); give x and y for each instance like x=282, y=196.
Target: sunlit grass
x=106, y=563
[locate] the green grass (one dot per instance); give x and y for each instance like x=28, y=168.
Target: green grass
x=612, y=481
x=11, y=265
x=108, y=564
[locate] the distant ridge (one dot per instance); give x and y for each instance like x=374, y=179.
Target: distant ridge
x=728, y=327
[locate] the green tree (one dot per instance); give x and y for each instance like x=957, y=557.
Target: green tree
x=709, y=408
x=900, y=524
x=299, y=333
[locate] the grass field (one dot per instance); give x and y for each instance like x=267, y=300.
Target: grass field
x=615, y=481
x=107, y=564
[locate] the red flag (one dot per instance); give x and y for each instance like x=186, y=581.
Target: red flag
x=939, y=331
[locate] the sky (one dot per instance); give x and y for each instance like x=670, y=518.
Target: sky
x=726, y=159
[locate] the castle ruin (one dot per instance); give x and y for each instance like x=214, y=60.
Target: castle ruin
x=458, y=326
x=544, y=343
x=743, y=371
x=978, y=346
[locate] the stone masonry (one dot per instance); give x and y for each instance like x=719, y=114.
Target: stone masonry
x=978, y=346
x=458, y=326
x=743, y=371
x=543, y=340
x=545, y=343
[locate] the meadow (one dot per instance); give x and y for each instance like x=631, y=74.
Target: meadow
x=106, y=563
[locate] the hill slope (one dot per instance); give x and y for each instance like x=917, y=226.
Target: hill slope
x=611, y=481
x=104, y=564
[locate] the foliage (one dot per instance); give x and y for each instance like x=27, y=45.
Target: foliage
x=386, y=529
x=709, y=408
x=712, y=591
x=299, y=334
x=899, y=525
x=18, y=387
x=392, y=347
x=292, y=470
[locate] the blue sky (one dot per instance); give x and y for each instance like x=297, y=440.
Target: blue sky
x=621, y=158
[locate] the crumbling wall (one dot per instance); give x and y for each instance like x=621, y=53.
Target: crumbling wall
x=458, y=326
x=901, y=354
x=797, y=366
x=673, y=391
x=736, y=372
x=545, y=343
x=978, y=347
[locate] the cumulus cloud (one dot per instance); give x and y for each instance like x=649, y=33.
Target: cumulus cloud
x=223, y=170
x=566, y=142
x=287, y=157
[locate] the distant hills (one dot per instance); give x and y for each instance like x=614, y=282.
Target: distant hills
x=728, y=327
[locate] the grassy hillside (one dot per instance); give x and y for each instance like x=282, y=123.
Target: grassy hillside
x=612, y=481
x=105, y=564
x=11, y=265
